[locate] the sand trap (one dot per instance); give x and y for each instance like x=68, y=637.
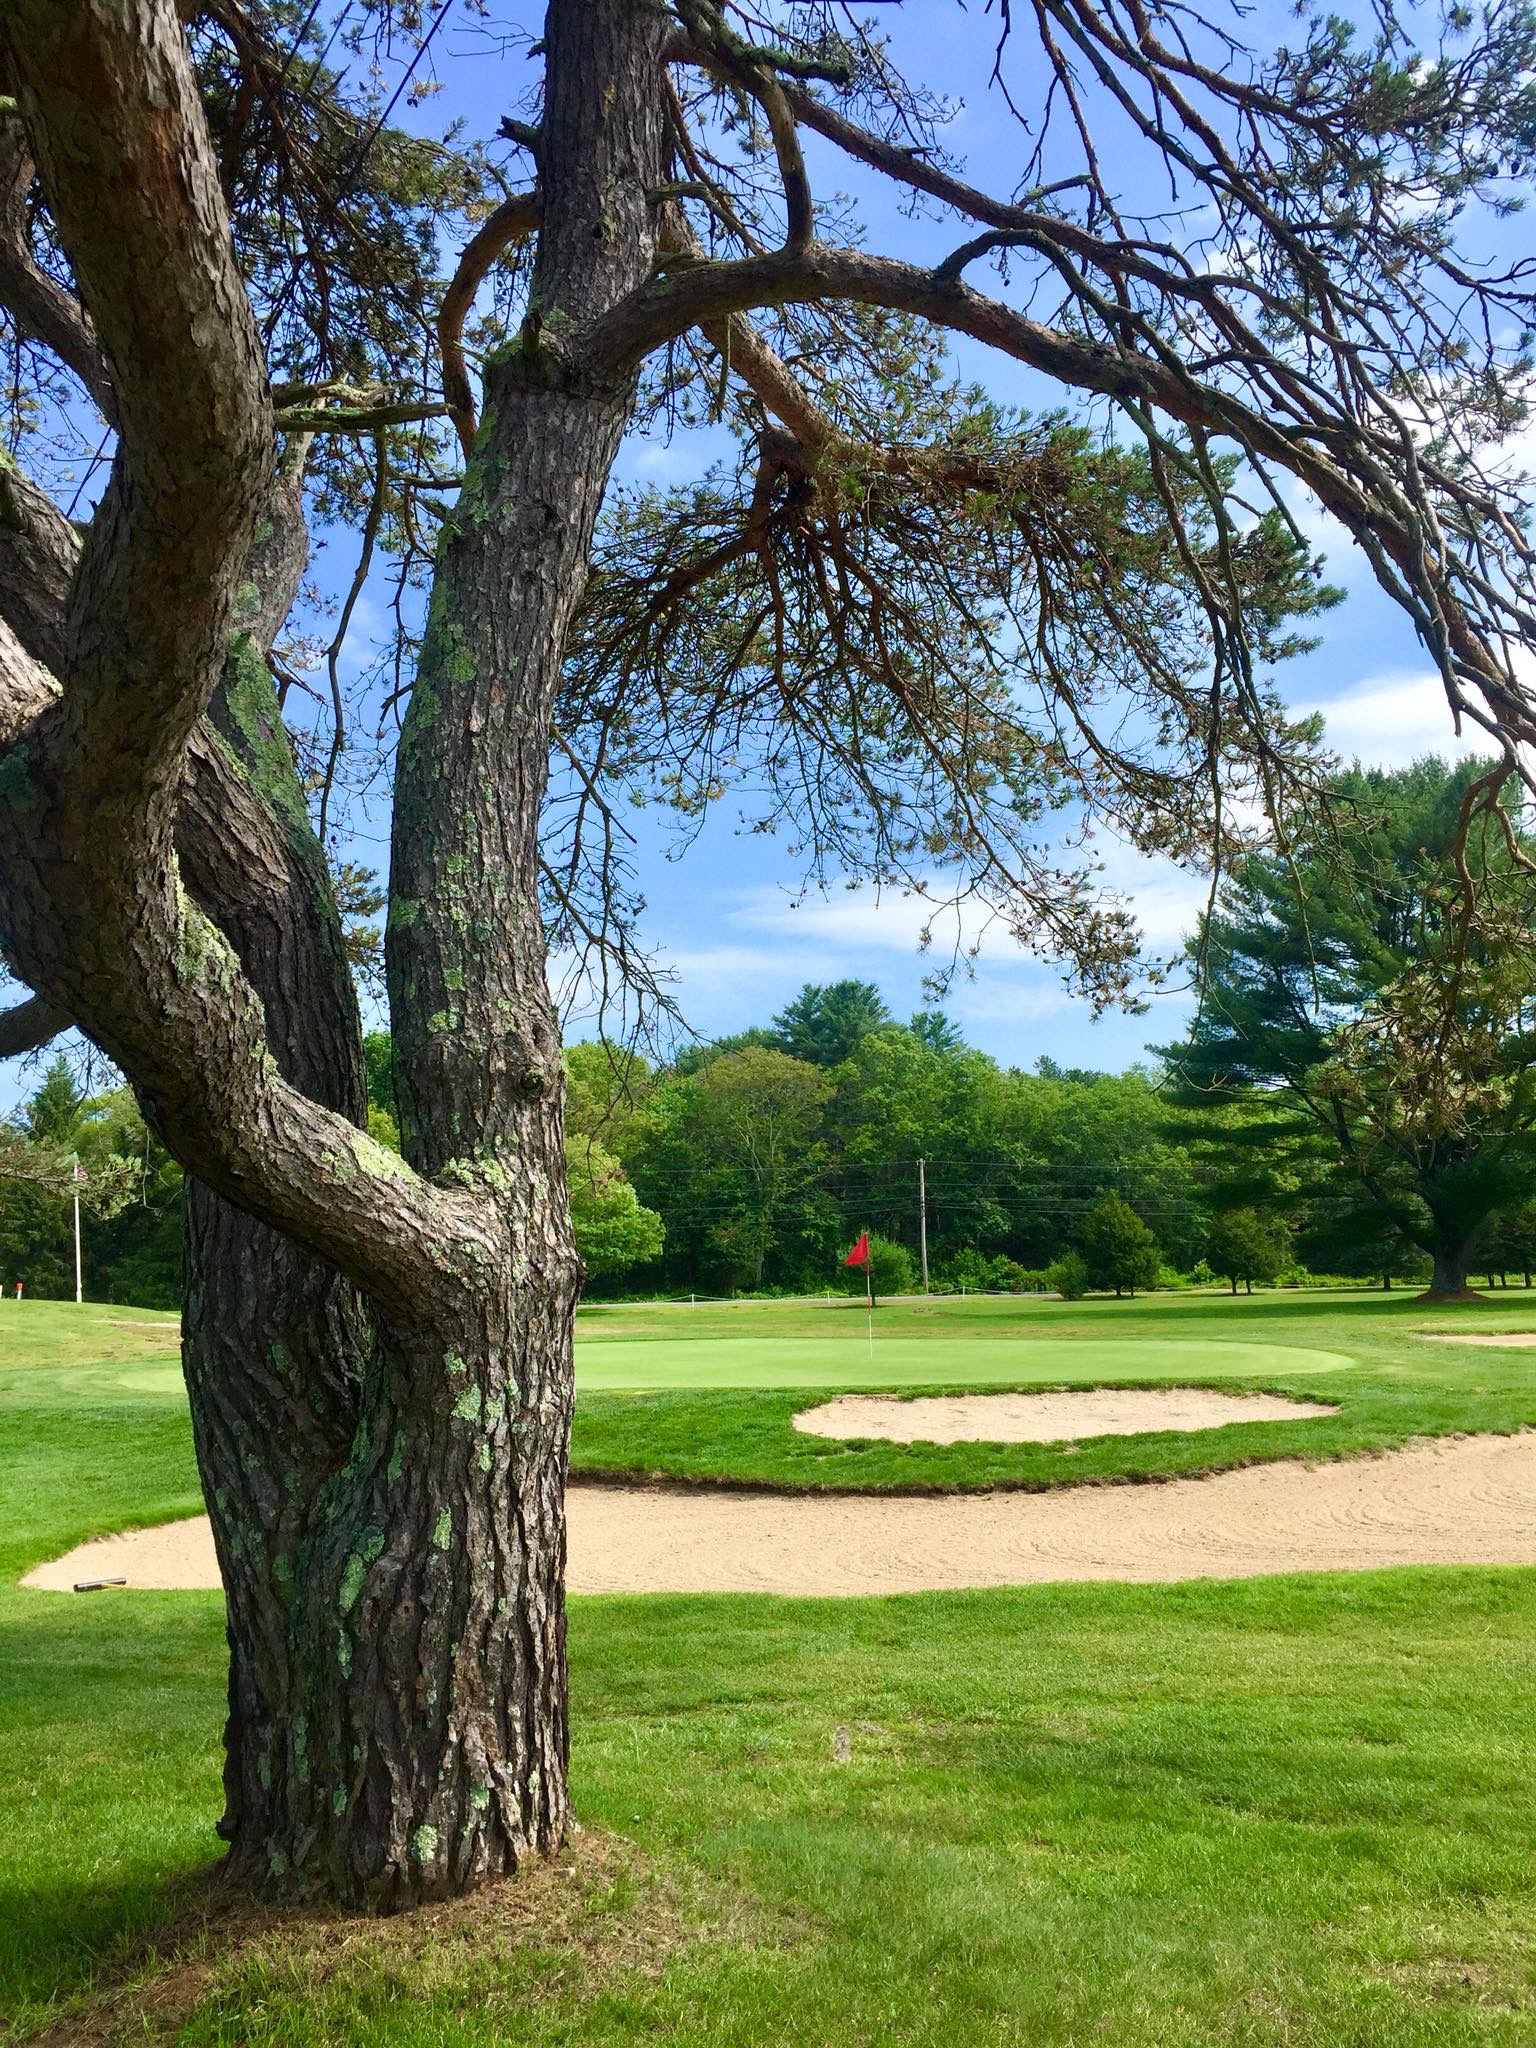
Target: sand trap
x=1514, y=1340
x=1045, y=1418
x=1468, y=1500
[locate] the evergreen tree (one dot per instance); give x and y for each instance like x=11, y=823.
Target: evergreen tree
x=1509, y=1246
x=1348, y=1009
x=1118, y=1249
x=824, y=1025
x=936, y=1031
x=53, y=1114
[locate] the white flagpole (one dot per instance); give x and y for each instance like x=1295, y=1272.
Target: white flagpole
x=75, y=1184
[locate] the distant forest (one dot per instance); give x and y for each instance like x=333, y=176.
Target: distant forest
x=1342, y=1105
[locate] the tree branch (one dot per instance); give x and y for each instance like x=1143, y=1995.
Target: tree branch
x=125, y=160
x=39, y=553
x=41, y=307
x=26, y=1026
x=94, y=912
x=362, y=421
x=751, y=71
x=1350, y=474
x=513, y=221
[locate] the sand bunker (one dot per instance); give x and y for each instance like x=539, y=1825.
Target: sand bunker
x=1513, y=1340
x=1468, y=1500
x=1044, y=1418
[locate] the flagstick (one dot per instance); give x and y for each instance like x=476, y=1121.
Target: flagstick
x=869, y=1304
x=75, y=1182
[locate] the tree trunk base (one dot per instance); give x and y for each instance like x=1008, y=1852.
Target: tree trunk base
x=1446, y=1297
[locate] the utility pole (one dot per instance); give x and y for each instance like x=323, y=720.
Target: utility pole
x=77, y=1175
x=922, y=1217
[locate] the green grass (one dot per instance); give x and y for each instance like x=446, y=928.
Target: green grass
x=709, y=1393
x=1255, y=1815
x=712, y=1403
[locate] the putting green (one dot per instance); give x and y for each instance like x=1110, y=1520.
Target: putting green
x=972, y=1360
x=654, y=1364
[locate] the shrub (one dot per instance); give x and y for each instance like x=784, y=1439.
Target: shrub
x=891, y=1269
x=967, y=1269
x=1068, y=1276
x=1118, y=1249
x=1009, y=1276
x=1243, y=1245
x=979, y=1273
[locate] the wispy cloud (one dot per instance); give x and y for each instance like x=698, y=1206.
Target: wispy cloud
x=1390, y=720
x=861, y=929
x=863, y=919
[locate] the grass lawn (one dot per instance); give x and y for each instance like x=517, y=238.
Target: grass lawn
x=714, y=1388
x=708, y=1393
x=1259, y=1814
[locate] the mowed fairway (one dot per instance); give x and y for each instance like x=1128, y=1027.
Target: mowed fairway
x=1258, y=1814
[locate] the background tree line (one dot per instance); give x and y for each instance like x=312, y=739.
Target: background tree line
x=1349, y=1101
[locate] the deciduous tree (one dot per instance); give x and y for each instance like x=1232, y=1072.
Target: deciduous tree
x=1242, y=1245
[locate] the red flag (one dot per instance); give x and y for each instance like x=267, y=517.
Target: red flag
x=859, y=1256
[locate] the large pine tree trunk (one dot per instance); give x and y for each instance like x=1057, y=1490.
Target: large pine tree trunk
x=399, y=1713
x=1452, y=1249
x=1452, y=1264
x=274, y=1340
x=271, y=1340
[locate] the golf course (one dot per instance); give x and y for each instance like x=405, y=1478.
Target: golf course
x=1225, y=1809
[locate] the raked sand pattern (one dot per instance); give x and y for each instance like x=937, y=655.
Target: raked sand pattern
x=1460, y=1500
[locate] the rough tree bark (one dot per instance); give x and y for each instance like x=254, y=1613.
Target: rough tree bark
x=274, y=1340
x=397, y=1619
x=466, y=1422
x=1452, y=1263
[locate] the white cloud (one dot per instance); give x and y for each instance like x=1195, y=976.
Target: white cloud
x=826, y=936
x=859, y=919
x=1391, y=720
x=1167, y=899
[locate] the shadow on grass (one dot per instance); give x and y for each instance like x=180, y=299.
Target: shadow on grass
x=596, y=1912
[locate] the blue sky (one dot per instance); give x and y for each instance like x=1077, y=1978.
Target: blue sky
x=728, y=916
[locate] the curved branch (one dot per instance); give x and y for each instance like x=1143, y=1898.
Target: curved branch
x=513, y=221
x=41, y=307
x=1351, y=477
x=128, y=169
x=751, y=71
x=39, y=553
x=94, y=909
